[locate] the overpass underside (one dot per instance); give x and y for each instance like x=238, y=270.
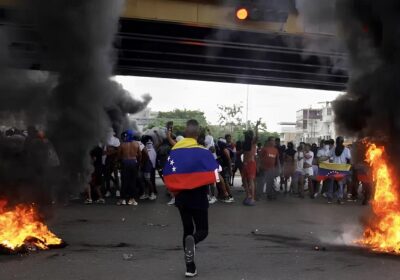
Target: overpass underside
x=198, y=40
x=172, y=50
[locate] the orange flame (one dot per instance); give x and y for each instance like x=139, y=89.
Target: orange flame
x=21, y=225
x=383, y=232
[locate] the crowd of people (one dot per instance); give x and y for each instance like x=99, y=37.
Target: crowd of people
x=126, y=168
x=197, y=170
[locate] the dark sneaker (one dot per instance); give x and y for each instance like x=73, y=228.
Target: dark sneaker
x=189, y=249
x=191, y=270
x=365, y=202
x=329, y=200
x=249, y=202
x=340, y=201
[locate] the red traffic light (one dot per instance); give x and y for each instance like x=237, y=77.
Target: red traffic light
x=242, y=13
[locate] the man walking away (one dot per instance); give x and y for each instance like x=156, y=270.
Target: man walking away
x=189, y=170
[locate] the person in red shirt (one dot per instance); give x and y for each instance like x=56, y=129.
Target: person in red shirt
x=249, y=165
x=269, y=159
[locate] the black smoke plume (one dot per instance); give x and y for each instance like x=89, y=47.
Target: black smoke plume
x=74, y=98
x=319, y=17
x=370, y=108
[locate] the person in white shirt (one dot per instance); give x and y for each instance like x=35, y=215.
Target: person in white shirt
x=341, y=155
x=110, y=164
x=298, y=177
x=323, y=155
x=210, y=145
x=308, y=169
x=149, y=169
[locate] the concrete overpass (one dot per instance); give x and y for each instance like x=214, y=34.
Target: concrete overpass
x=202, y=40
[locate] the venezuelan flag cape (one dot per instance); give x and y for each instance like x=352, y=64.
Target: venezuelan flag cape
x=336, y=171
x=189, y=166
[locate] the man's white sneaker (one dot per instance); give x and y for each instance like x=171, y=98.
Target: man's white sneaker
x=212, y=200
x=100, y=201
x=117, y=193
x=144, y=197
x=171, y=202
x=121, y=202
x=153, y=196
x=226, y=200
x=132, y=202
x=108, y=194
x=88, y=201
x=191, y=270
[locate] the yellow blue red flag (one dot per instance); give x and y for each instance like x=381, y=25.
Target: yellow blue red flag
x=189, y=166
x=336, y=171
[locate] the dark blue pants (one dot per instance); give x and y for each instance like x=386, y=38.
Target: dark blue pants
x=129, y=175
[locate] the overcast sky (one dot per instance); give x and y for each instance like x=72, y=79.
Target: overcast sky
x=272, y=104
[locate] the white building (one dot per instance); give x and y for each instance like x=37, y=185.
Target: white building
x=327, y=126
x=308, y=122
x=143, y=118
x=314, y=125
x=288, y=132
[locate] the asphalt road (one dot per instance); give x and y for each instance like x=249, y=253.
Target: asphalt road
x=144, y=242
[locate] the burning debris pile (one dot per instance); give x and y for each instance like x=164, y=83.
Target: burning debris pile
x=22, y=230
x=382, y=233
x=370, y=107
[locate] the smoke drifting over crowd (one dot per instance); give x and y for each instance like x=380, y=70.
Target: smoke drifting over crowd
x=320, y=17
x=370, y=107
x=75, y=100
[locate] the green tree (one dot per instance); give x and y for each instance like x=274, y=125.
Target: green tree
x=263, y=136
x=237, y=132
x=230, y=116
x=179, y=117
x=262, y=127
x=183, y=115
